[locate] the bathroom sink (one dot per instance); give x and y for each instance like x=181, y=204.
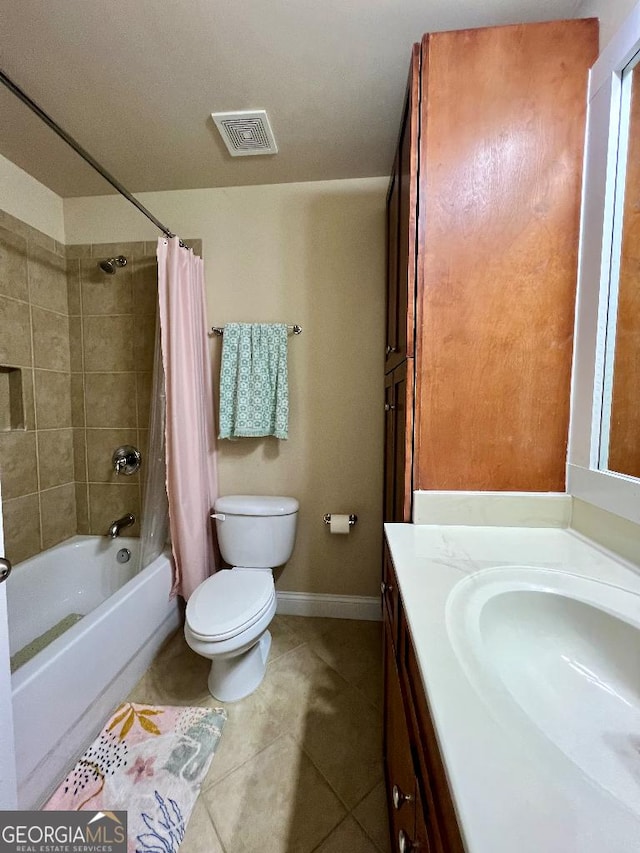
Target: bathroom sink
x=561, y=653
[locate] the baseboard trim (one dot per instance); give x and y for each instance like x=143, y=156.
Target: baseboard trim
x=333, y=606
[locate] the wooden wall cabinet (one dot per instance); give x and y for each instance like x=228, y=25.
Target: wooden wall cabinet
x=421, y=812
x=483, y=218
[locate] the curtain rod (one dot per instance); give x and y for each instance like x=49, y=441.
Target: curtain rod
x=115, y=183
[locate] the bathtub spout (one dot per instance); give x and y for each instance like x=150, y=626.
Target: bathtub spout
x=126, y=521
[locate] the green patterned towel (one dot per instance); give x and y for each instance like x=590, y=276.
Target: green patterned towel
x=254, y=394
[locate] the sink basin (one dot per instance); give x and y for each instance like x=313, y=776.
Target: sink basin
x=561, y=653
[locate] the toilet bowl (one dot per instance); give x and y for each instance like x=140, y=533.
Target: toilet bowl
x=228, y=616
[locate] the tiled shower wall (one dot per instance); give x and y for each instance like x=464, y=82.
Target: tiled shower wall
x=76, y=361
x=112, y=322
x=111, y=326
x=36, y=448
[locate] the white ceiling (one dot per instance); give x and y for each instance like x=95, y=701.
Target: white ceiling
x=135, y=83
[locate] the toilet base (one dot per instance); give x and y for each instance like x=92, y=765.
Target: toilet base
x=233, y=678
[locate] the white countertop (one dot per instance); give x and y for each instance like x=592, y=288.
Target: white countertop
x=514, y=791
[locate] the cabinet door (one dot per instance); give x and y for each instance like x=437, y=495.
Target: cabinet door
x=399, y=774
x=402, y=203
x=398, y=454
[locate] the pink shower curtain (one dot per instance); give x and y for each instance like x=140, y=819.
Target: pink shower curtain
x=191, y=448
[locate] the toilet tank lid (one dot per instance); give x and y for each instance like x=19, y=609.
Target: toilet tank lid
x=256, y=505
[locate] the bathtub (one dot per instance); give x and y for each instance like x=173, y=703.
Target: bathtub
x=65, y=692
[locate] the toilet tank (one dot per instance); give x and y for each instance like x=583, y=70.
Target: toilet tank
x=256, y=531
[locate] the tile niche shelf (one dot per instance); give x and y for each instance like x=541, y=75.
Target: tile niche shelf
x=11, y=400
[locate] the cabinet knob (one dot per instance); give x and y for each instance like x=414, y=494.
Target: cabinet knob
x=389, y=350
x=399, y=798
x=385, y=587
x=405, y=844
x=389, y=407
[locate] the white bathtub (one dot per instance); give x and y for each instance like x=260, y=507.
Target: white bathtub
x=63, y=695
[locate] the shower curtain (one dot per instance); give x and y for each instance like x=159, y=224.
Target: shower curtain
x=190, y=436
x=155, y=517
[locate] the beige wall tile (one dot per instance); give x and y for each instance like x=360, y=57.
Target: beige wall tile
x=50, y=340
x=109, y=502
x=28, y=403
x=110, y=399
x=75, y=344
x=103, y=293
x=101, y=444
x=53, y=399
x=15, y=340
x=13, y=265
x=109, y=250
x=21, y=519
x=144, y=385
x=18, y=463
x=144, y=342
x=77, y=399
x=82, y=508
x=143, y=447
x=37, y=239
x=145, y=286
x=80, y=455
x=47, y=280
x=55, y=457
x=58, y=513
x=108, y=343
x=73, y=286
x=78, y=250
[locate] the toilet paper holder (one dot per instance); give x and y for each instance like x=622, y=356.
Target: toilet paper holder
x=352, y=518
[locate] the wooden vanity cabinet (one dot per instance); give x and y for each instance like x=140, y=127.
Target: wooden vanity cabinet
x=482, y=241
x=421, y=813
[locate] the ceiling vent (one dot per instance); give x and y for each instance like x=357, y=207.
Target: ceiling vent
x=246, y=132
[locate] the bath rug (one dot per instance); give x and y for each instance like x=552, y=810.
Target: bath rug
x=149, y=761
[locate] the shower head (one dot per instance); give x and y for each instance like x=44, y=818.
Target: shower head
x=110, y=265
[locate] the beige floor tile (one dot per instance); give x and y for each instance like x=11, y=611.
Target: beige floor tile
x=371, y=814
x=344, y=741
x=178, y=676
x=275, y=803
x=348, y=837
x=200, y=836
x=250, y=727
x=299, y=685
x=350, y=647
x=310, y=629
x=370, y=684
x=283, y=638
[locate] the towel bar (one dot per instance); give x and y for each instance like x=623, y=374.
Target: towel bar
x=219, y=330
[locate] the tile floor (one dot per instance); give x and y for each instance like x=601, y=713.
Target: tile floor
x=299, y=766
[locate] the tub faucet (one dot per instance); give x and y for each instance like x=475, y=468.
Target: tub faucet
x=115, y=528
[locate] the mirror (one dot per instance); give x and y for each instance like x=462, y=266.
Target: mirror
x=620, y=428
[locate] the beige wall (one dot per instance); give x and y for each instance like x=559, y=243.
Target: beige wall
x=311, y=254
x=27, y=199
x=611, y=13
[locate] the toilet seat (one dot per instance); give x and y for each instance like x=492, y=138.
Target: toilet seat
x=229, y=603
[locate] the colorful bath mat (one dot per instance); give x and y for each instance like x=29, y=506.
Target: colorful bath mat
x=149, y=761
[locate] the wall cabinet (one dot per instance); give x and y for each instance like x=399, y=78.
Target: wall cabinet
x=421, y=813
x=482, y=241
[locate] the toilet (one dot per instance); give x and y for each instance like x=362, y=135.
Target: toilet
x=228, y=616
